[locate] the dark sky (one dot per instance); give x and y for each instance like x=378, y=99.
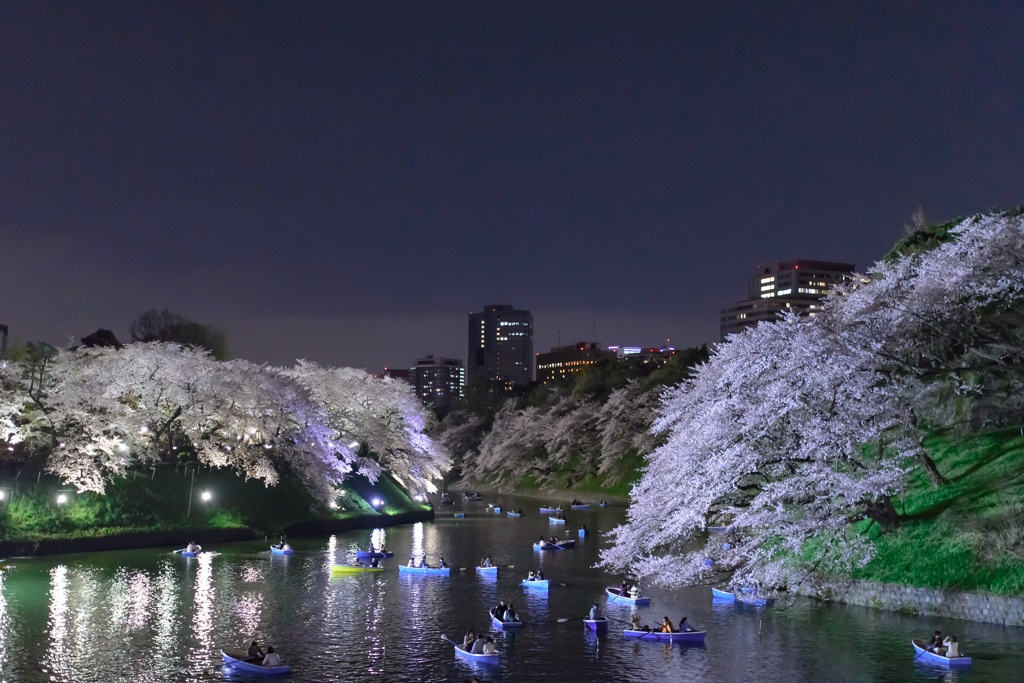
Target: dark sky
x=345, y=181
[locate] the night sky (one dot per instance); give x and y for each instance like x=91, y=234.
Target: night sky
x=345, y=182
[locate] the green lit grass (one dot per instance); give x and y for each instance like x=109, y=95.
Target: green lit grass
x=967, y=535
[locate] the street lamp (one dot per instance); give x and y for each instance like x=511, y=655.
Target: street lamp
x=206, y=496
x=377, y=502
x=61, y=499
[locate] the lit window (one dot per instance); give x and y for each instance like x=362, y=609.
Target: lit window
x=784, y=292
x=767, y=295
x=767, y=279
x=767, y=287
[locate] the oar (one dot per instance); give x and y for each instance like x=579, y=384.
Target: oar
x=565, y=619
x=444, y=637
x=179, y=551
x=618, y=620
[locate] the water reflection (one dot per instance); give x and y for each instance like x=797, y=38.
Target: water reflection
x=202, y=617
x=57, y=660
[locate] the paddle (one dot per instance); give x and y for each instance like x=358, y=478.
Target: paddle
x=565, y=619
x=179, y=551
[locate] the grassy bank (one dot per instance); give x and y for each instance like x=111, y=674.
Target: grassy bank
x=566, y=483
x=145, y=503
x=966, y=535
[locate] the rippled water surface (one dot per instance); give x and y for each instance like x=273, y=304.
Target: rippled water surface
x=150, y=615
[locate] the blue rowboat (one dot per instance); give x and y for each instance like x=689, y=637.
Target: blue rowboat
x=538, y=585
x=583, y=533
x=564, y=545
x=460, y=514
x=479, y=659
x=558, y=509
x=604, y=505
x=556, y=520
x=442, y=571
x=722, y=595
x=678, y=637
x=502, y=625
x=598, y=625
x=614, y=593
x=584, y=506
x=366, y=554
x=487, y=571
x=497, y=508
x=280, y=551
x=236, y=660
x=513, y=514
x=923, y=655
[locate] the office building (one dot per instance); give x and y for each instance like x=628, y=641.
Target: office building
x=643, y=354
x=561, y=361
x=793, y=285
x=501, y=346
x=439, y=381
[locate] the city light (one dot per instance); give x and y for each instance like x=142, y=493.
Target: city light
x=377, y=502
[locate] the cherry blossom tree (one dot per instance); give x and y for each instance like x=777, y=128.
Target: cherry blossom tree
x=798, y=428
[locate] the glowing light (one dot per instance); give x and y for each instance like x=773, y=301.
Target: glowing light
x=1, y=495
x=206, y=496
x=334, y=506
x=376, y=502
x=62, y=444
x=266, y=445
x=61, y=499
x=143, y=429
x=353, y=444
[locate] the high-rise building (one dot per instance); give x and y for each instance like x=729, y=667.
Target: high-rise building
x=501, y=346
x=439, y=381
x=562, y=361
x=793, y=285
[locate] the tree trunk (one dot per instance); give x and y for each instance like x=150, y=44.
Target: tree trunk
x=933, y=471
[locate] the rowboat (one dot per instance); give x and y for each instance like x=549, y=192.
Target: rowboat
x=513, y=514
x=353, y=569
x=538, y=585
x=442, y=571
x=473, y=497
x=497, y=508
x=722, y=595
x=600, y=624
x=236, y=660
x=614, y=593
x=459, y=514
x=564, y=545
x=185, y=553
x=280, y=551
x=583, y=533
x=502, y=625
x=558, y=509
x=604, y=505
x=556, y=520
x=678, y=637
x=583, y=506
x=366, y=554
x=921, y=648
x=487, y=571
x=479, y=659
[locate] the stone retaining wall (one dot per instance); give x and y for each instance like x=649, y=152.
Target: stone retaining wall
x=992, y=609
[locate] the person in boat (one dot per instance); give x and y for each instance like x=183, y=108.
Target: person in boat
x=666, y=626
x=595, y=612
x=602, y=502
x=271, y=659
x=191, y=547
x=685, y=627
x=441, y=564
x=374, y=563
x=383, y=549
x=369, y=547
x=489, y=647
x=583, y=528
x=254, y=653
x=634, y=592
x=542, y=542
x=531, y=576
x=420, y=563
x=412, y=562
x=952, y=646
x=478, y=645
x=634, y=623
x=540, y=575
x=467, y=642
x=510, y=613
x=286, y=547
x=486, y=562
x=935, y=644
x=554, y=540
x=623, y=588
x=499, y=610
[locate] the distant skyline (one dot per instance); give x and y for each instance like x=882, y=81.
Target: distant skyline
x=345, y=182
